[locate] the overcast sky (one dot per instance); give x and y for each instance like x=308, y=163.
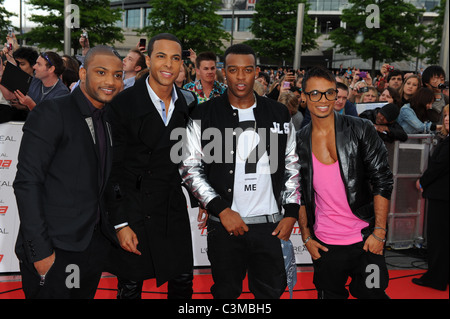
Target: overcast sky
x=14, y=6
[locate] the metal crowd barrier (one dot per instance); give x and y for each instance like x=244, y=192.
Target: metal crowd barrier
x=406, y=219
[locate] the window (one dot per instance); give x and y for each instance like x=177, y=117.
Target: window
x=226, y=24
x=133, y=18
x=244, y=24
x=146, y=13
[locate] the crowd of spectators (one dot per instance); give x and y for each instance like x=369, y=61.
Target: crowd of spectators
x=419, y=98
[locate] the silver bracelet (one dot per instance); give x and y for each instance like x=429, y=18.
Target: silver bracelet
x=378, y=238
x=306, y=240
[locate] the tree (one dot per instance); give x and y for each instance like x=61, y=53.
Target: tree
x=395, y=37
x=5, y=23
x=433, y=36
x=274, y=27
x=194, y=22
x=95, y=16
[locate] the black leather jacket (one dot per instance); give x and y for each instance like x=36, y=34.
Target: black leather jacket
x=363, y=162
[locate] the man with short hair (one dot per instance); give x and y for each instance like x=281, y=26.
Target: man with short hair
x=251, y=177
x=346, y=187
x=46, y=83
x=63, y=165
x=395, y=79
x=133, y=63
x=205, y=86
x=144, y=196
x=342, y=106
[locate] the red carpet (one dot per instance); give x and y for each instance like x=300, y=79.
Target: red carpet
x=400, y=287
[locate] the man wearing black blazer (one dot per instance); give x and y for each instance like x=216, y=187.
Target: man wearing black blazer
x=144, y=196
x=64, y=162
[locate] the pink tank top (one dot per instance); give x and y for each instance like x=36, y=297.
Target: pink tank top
x=335, y=223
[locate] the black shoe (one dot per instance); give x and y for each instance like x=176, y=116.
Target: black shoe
x=421, y=282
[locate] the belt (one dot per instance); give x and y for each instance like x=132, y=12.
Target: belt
x=263, y=219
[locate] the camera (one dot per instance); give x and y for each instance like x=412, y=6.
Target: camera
x=10, y=32
x=84, y=34
x=390, y=68
x=362, y=75
x=443, y=86
x=364, y=89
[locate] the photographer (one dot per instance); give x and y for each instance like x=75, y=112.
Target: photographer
x=433, y=77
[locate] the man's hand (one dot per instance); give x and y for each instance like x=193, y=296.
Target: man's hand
x=25, y=100
x=284, y=228
x=374, y=245
x=233, y=222
x=314, y=247
x=128, y=240
x=202, y=218
x=44, y=265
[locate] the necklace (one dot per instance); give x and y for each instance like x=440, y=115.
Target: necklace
x=45, y=93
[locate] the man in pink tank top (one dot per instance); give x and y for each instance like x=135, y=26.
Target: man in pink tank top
x=346, y=187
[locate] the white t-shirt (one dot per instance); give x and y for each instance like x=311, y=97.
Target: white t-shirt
x=253, y=192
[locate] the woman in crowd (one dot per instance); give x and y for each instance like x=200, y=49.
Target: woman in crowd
x=371, y=96
x=391, y=95
x=435, y=186
x=415, y=117
x=409, y=87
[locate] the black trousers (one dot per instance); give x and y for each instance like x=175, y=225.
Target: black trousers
x=368, y=272
x=257, y=252
x=437, y=244
x=74, y=275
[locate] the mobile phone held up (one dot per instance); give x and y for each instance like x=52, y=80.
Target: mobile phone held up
x=186, y=54
x=142, y=44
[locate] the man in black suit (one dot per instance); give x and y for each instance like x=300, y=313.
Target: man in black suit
x=145, y=198
x=64, y=162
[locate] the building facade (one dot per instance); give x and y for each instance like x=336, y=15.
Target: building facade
x=237, y=20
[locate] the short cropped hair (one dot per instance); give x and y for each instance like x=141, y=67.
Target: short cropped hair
x=318, y=72
x=205, y=56
x=99, y=49
x=161, y=36
x=240, y=48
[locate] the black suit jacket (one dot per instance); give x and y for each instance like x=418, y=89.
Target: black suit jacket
x=435, y=180
x=58, y=186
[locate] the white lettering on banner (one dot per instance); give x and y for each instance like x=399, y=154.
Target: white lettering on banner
x=10, y=137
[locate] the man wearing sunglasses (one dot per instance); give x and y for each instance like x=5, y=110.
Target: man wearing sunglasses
x=346, y=187
x=46, y=83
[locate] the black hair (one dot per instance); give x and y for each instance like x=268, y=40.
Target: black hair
x=342, y=86
x=429, y=72
x=26, y=53
x=99, y=49
x=394, y=73
x=205, y=56
x=161, y=36
x=318, y=72
x=240, y=48
x=54, y=59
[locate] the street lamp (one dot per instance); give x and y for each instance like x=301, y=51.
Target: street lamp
x=232, y=20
